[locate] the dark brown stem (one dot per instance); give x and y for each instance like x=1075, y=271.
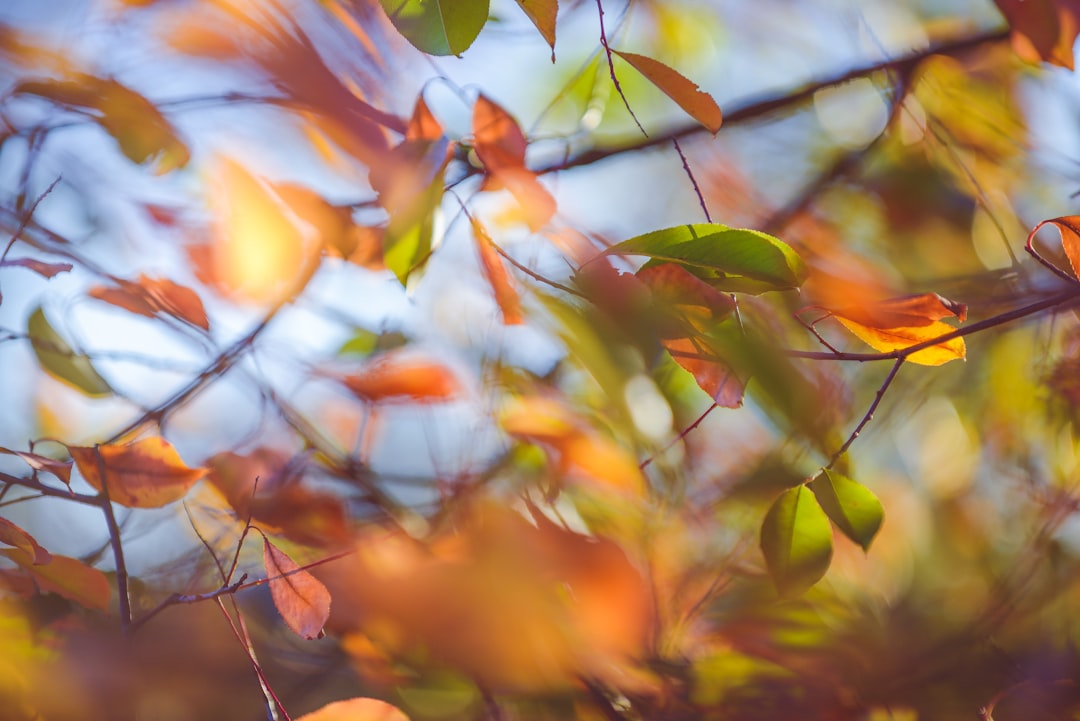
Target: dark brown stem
x=693, y=180
x=611, y=69
x=869, y=413
x=117, y=546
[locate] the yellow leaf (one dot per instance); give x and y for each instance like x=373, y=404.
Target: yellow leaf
x=887, y=340
x=145, y=474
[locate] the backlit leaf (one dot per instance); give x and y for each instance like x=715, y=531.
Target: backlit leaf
x=1043, y=30
x=148, y=473
x=542, y=13
x=712, y=375
x=12, y=535
x=60, y=360
x=301, y=599
x=60, y=469
x=887, y=340
x=497, y=276
x=394, y=377
x=733, y=255
x=908, y=311
x=854, y=509
x=356, y=709
x=142, y=132
x=148, y=296
x=1069, y=227
x=438, y=27
x=698, y=105
x=797, y=541
x=67, y=577
x=423, y=125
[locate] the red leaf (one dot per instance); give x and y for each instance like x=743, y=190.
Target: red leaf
x=47, y=270
x=60, y=469
x=12, y=535
x=301, y=600
x=148, y=296
x=497, y=276
x=699, y=105
x=67, y=577
x=392, y=377
x=1043, y=29
x=144, y=474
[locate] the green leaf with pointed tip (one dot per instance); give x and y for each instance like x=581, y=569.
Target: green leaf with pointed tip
x=60, y=360
x=731, y=258
x=438, y=27
x=854, y=509
x=797, y=541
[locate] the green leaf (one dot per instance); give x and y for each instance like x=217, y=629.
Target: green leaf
x=797, y=541
x=729, y=256
x=854, y=509
x=60, y=360
x=438, y=27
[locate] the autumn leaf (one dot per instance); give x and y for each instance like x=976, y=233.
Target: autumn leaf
x=542, y=13
x=67, y=577
x=899, y=323
x=497, y=276
x=302, y=600
x=149, y=296
x=1043, y=30
x=423, y=125
x=60, y=469
x=1069, y=227
x=500, y=144
x=12, y=535
x=60, y=360
x=393, y=376
x=712, y=375
x=697, y=104
x=148, y=473
x=356, y=709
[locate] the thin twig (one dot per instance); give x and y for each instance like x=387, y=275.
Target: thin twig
x=117, y=546
x=869, y=413
x=686, y=431
x=611, y=69
x=693, y=180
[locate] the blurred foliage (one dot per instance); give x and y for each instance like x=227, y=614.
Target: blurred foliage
x=462, y=360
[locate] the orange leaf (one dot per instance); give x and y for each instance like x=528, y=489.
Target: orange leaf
x=497, y=276
x=145, y=474
x=60, y=469
x=542, y=13
x=537, y=204
x=712, y=376
x=911, y=310
x=699, y=105
x=301, y=600
x=498, y=138
x=887, y=340
x=67, y=577
x=356, y=709
x=12, y=535
x=392, y=377
x=423, y=125
x=148, y=296
x=1043, y=30
x=1069, y=227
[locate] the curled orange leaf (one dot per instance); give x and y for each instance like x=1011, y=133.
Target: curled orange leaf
x=301, y=599
x=145, y=474
x=12, y=535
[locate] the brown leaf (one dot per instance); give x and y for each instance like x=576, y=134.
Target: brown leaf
x=148, y=296
x=497, y=276
x=301, y=600
x=1043, y=30
x=145, y=474
x=60, y=469
x=356, y=709
x=699, y=105
x=542, y=13
x=47, y=270
x=1069, y=227
x=67, y=577
x=12, y=535
x=395, y=377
